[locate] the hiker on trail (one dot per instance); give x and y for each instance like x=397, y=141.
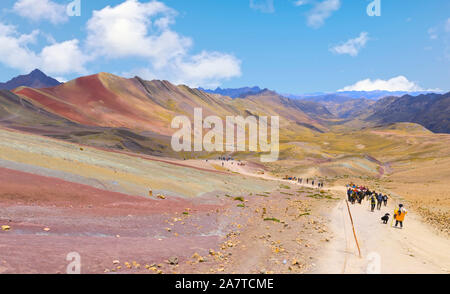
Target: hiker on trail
x=368, y=194
x=372, y=203
x=300, y=180
x=385, y=200
x=360, y=197
x=379, y=201
x=312, y=183
x=307, y=181
x=353, y=199
x=399, y=215
x=349, y=194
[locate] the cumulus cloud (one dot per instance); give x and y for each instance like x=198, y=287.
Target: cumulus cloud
x=399, y=83
x=352, y=46
x=321, y=11
x=139, y=31
x=135, y=29
x=57, y=58
x=265, y=6
x=37, y=10
x=206, y=69
x=63, y=57
x=14, y=50
x=127, y=30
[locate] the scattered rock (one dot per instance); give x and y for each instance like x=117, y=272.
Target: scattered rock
x=173, y=260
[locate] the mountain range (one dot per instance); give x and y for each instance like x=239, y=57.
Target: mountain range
x=132, y=114
x=135, y=115
x=234, y=93
x=431, y=111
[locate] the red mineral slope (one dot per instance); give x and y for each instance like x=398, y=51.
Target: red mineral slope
x=102, y=100
x=20, y=188
x=106, y=100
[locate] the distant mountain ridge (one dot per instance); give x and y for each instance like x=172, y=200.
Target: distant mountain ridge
x=340, y=104
x=343, y=96
x=108, y=101
x=35, y=79
x=430, y=110
x=235, y=93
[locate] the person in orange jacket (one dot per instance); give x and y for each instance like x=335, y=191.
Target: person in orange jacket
x=399, y=215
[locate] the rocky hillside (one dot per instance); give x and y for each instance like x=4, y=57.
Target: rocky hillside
x=431, y=111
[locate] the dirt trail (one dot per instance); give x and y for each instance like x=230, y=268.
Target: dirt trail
x=245, y=170
x=385, y=249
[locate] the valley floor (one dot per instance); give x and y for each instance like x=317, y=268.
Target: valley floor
x=202, y=217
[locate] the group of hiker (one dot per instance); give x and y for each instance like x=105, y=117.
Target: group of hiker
x=225, y=158
x=356, y=194
x=308, y=181
x=359, y=193
x=228, y=159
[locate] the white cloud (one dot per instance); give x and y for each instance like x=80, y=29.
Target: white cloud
x=61, y=79
x=399, y=83
x=352, y=46
x=63, y=57
x=135, y=29
x=440, y=34
x=300, y=2
x=321, y=11
x=207, y=69
x=37, y=10
x=14, y=51
x=265, y=6
x=58, y=58
x=127, y=30
x=132, y=29
x=432, y=33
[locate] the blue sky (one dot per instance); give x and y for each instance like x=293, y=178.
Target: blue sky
x=287, y=45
